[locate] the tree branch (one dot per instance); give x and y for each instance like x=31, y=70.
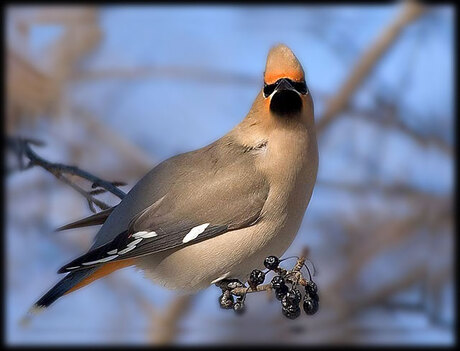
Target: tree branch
x=22, y=149
x=395, y=122
x=411, y=11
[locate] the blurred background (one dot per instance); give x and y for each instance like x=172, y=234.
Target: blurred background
x=117, y=89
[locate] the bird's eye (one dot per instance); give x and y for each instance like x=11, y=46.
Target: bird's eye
x=269, y=89
x=301, y=87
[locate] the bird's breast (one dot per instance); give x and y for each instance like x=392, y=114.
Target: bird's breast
x=290, y=165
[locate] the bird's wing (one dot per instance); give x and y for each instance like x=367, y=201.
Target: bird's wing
x=215, y=190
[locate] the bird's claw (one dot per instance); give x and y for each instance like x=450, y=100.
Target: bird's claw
x=229, y=284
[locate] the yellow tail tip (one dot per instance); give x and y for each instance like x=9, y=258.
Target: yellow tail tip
x=33, y=311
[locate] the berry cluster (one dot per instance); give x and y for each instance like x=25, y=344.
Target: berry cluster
x=285, y=285
x=291, y=297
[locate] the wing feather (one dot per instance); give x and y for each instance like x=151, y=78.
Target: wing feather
x=207, y=193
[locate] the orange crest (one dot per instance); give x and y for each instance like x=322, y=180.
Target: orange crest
x=282, y=63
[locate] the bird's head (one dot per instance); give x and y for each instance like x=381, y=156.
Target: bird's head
x=285, y=91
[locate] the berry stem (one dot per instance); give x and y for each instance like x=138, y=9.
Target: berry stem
x=298, y=279
x=298, y=266
x=241, y=291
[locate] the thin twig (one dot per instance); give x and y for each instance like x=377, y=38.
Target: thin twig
x=293, y=275
x=21, y=147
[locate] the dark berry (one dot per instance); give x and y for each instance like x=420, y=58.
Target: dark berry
x=290, y=307
x=285, y=302
x=294, y=296
x=226, y=300
x=291, y=312
x=257, y=277
x=310, y=306
x=311, y=287
x=314, y=297
x=277, y=282
x=271, y=262
x=281, y=292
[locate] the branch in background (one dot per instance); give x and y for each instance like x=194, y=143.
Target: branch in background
x=164, y=326
x=21, y=148
x=393, y=121
x=180, y=72
x=140, y=162
x=367, y=63
x=392, y=190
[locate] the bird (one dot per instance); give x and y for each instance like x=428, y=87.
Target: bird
x=212, y=214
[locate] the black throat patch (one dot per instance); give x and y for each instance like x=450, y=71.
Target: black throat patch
x=286, y=103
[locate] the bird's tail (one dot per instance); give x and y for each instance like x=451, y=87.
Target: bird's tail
x=74, y=281
x=61, y=288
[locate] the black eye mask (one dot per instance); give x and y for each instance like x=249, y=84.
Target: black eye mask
x=300, y=87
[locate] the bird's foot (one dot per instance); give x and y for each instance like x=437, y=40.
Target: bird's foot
x=226, y=300
x=229, y=284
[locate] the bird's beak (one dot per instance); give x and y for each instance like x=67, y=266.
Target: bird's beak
x=284, y=85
